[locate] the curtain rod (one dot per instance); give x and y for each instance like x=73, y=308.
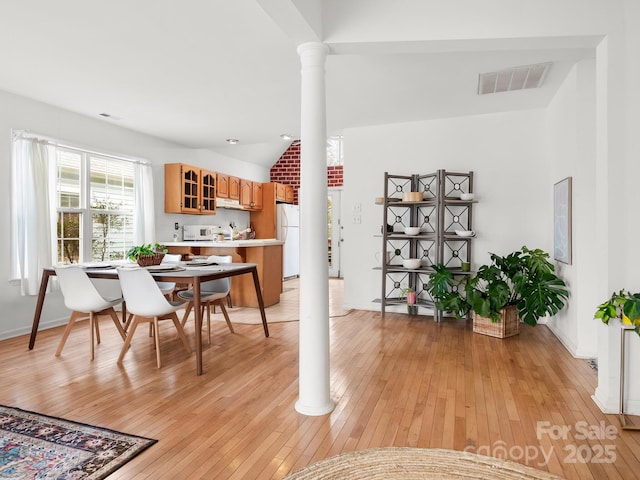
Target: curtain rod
x=27, y=135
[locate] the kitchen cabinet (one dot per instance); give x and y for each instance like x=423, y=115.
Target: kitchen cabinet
x=264, y=220
x=234, y=188
x=250, y=194
x=266, y=255
x=284, y=193
x=228, y=187
x=438, y=213
x=189, y=189
x=222, y=187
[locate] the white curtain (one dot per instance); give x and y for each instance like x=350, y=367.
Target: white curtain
x=34, y=209
x=144, y=225
x=33, y=219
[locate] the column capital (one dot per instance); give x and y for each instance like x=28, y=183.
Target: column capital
x=312, y=51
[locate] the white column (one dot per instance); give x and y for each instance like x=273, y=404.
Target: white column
x=314, y=393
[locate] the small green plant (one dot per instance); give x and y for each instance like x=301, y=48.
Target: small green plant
x=136, y=251
x=623, y=305
x=410, y=294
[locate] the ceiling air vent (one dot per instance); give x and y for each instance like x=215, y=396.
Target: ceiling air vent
x=516, y=78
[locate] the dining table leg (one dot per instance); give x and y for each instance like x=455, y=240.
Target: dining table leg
x=198, y=324
x=256, y=283
x=39, y=304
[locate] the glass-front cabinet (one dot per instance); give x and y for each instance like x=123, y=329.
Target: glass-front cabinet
x=189, y=189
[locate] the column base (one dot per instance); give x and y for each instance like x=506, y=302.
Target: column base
x=314, y=411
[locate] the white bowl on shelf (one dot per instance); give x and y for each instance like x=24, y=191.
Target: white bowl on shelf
x=465, y=233
x=411, y=263
x=466, y=196
x=411, y=230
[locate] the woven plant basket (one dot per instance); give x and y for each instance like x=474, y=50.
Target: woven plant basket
x=148, y=260
x=507, y=326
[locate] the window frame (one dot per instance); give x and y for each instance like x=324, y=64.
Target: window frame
x=85, y=210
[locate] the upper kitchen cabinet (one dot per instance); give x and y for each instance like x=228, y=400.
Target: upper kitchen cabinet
x=284, y=193
x=234, y=188
x=189, y=189
x=222, y=188
x=250, y=194
x=228, y=187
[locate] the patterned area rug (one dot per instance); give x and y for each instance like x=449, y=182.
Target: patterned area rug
x=34, y=446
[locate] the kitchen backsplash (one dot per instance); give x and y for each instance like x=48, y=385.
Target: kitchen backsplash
x=223, y=217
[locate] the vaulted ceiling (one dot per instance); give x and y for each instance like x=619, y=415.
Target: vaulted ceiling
x=198, y=72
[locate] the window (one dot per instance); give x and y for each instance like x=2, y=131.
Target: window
x=95, y=206
x=71, y=205
x=334, y=151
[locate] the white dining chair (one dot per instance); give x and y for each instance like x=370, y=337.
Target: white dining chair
x=84, y=300
x=167, y=288
x=147, y=304
x=213, y=292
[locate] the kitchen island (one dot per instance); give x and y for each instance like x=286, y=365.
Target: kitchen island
x=265, y=253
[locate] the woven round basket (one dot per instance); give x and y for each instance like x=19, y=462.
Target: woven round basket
x=148, y=260
x=417, y=464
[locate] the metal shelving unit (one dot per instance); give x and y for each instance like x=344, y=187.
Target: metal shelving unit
x=438, y=214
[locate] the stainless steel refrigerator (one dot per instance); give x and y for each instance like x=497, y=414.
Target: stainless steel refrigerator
x=288, y=230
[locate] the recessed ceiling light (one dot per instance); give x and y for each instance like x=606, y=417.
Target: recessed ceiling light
x=108, y=115
x=286, y=136
x=232, y=141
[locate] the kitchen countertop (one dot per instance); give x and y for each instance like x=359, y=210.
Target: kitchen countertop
x=263, y=242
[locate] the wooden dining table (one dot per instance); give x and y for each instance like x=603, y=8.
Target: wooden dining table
x=184, y=274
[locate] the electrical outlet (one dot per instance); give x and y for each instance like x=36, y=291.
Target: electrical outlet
x=357, y=219
x=357, y=207
x=176, y=226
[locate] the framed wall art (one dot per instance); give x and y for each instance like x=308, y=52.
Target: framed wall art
x=562, y=221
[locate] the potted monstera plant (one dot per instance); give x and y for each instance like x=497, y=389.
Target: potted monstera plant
x=519, y=286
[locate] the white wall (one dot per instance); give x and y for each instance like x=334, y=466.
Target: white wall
x=618, y=170
x=22, y=114
x=511, y=169
x=570, y=130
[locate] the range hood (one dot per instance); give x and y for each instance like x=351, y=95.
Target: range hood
x=228, y=203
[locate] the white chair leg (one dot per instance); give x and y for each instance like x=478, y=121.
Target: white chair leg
x=187, y=311
x=127, y=342
x=72, y=320
x=92, y=327
x=156, y=335
x=226, y=315
x=116, y=320
x=208, y=323
x=181, y=334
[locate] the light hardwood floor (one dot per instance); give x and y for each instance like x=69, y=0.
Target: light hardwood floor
x=397, y=381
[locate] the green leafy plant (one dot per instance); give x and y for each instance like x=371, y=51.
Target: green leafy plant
x=445, y=290
x=623, y=305
x=524, y=278
x=138, y=250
